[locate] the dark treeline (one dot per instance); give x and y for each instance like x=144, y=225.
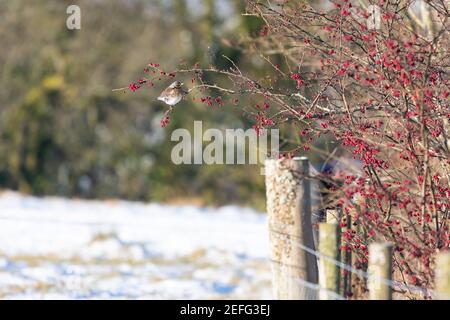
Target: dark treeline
x=64, y=132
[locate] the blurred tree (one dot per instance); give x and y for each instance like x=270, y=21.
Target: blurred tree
x=62, y=130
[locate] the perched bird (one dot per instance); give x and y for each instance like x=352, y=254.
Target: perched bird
x=173, y=94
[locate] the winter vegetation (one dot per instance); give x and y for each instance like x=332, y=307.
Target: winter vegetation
x=359, y=87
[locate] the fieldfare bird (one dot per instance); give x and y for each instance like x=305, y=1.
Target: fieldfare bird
x=173, y=94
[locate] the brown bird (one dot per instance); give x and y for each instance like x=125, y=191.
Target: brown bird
x=173, y=94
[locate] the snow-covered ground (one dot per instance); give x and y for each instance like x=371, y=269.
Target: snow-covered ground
x=74, y=249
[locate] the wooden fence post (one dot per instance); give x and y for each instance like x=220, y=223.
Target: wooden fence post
x=380, y=270
x=442, y=277
x=346, y=256
x=353, y=282
x=329, y=246
x=288, y=194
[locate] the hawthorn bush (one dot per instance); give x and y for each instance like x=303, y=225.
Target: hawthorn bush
x=373, y=76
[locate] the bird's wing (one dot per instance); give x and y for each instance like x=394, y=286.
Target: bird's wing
x=165, y=94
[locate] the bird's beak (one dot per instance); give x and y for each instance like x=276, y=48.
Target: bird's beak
x=182, y=83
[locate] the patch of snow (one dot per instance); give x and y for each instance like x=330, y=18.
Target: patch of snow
x=77, y=249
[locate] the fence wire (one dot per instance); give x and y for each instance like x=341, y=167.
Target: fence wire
x=311, y=290
x=424, y=292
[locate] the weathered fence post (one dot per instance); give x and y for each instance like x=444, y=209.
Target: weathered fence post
x=289, y=210
x=442, y=277
x=329, y=247
x=380, y=271
x=346, y=254
x=353, y=282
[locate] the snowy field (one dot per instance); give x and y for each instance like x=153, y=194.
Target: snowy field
x=54, y=248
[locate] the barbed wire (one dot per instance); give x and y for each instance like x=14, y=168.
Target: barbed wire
x=427, y=293
x=311, y=289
